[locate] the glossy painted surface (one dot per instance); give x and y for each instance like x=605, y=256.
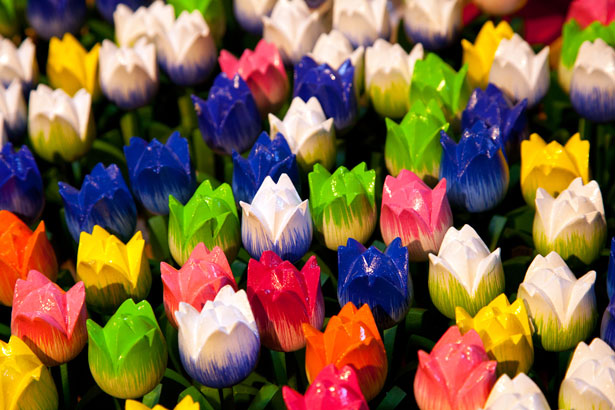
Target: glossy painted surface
x=21, y=185
x=479, y=56
x=519, y=393
x=71, y=67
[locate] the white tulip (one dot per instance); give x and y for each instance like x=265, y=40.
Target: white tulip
x=562, y=308
x=519, y=72
x=334, y=48
x=464, y=273
x=310, y=135
x=60, y=125
x=571, y=224
x=13, y=109
x=18, y=63
x=520, y=393
x=362, y=21
x=128, y=76
x=434, y=23
x=186, y=50
x=592, y=84
x=293, y=28
x=276, y=220
x=250, y=13
x=590, y=380
x=220, y=345
x=388, y=74
x=145, y=22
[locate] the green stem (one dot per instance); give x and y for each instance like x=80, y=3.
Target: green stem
x=129, y=124
x=118, y=406
x=65, y=385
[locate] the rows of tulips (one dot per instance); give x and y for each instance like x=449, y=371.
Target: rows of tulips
x=455, y=144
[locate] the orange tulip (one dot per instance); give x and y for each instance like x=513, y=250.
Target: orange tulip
x=351, y=338
x=22, y=250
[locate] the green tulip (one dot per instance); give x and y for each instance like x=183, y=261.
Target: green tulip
x=433, y=79
x=414, y=144
x=343, y=204
x=128, y=356
x=210, y=216
x=8, y=18
x=212, y=11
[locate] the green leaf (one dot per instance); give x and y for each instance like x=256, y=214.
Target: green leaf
x=152, y=398
x=496, y=226
x=389, y=343
x=264, y=396
x=176, y=377
x=414, y=319
x=279, y=367
x=393, y=398
x=159, y=236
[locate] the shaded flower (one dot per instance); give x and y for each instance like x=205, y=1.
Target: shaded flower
x=157, y=171
x=585, y=12
x=343, y=204
x=500, y=7
x=519, y=392
x=219, y=346
x=210, y=216
x=212, y=11
x=456, y=375
x=277, y=220
x=18, y=63
x=362, y=21
x=107, y=7
x=13, y=111
x=562, y=307
x=128, y=356
x=229, y=118
x=104, y=200
x=199, y=280
x=21, y=185
x=267, y=158
x=415, y=213
x=21, y=251
x=147, y=22
x=350, y=338
x=50, y=321
x=464, y=273
x=475, y=169
x=187, y=403
x=250, y=13
x=435, y=23
x=54, y=18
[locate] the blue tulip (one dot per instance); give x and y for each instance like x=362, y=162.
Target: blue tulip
x=53, y=18
x=476, y=171
x=104, y=200
x=381, y=280
x=107, y=7
x=492, y=107
x=157, y=171
x=607, y=328
x=610, y=276
x=229, y=119
x=334, y=89
x=267, y=158
x=21, y=185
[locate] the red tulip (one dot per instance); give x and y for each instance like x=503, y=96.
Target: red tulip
x=586, y=12
x=283, y=298
x=332, y=389
x=263, y=70
x=456, y=375
x=199, y=280
x=50, y=321
x=542, y=20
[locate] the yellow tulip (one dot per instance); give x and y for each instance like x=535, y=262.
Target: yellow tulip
x=186, y=404
x=479, y=56
x=25, y=382
x=71, y=68
x=552, y=166
x=505, y=331
x=111, y=270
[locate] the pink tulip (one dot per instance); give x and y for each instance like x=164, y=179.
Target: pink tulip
x=414, y=212
x=542, y=20
x=263, y=71
x=456, y=375
x=283, y=298
x=332, y=389
x=199, y=280
x=50, y=321
x=586, y=12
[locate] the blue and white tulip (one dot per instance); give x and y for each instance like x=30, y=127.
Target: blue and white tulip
x=378, y=279
x=519, y=72
x=250, y=13
x=13, y=111
x=107, y=7
x=435, y=23
x=146, y=22
x=334, y=89
x=610, y=275
x=607, y=327
x=18, y=63
x=54, y=18
x=592, y=88
x=104, y=200
x=158, y=170
x=277, y=220
x=267, y=158
x=128, y=76
x=229, y=120
x=219, y=346
x=21, y=185
x=475, y=169
x=362, y=21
